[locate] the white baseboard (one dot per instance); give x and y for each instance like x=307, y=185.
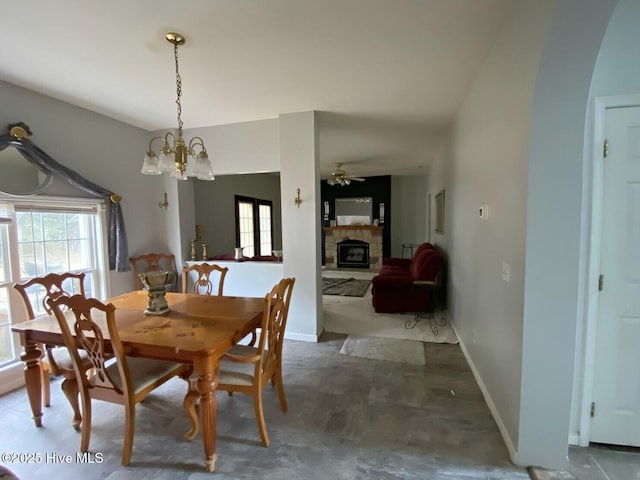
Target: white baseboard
x=12, y=377
x=574, y=439
x=303, y=337
x=492, y=408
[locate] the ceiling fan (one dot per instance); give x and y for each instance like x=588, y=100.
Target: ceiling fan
x=340, y=177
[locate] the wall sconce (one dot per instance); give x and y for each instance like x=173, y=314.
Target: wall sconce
x=297, y=200
x=164, y=204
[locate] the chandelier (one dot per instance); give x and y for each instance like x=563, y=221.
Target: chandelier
x=174, y=151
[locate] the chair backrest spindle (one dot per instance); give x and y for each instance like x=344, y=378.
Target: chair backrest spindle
x=204, y=284
x=273, y=326
x=54, y=287
x=88, y=335
x=152, y=262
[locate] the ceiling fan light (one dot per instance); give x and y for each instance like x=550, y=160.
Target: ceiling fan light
x=331, y=181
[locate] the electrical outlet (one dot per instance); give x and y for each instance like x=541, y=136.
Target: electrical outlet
x=506, y=272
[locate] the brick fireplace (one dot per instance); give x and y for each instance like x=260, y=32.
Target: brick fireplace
x=368, y=234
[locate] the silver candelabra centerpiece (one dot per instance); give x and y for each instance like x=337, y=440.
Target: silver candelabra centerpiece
x=156, y=284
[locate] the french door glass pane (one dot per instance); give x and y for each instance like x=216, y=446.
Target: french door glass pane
x=245, y=217
x=264, y=212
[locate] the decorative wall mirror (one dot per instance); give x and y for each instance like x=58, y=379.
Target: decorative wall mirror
x=440, y=212
x=354, y=211
x=20, y=176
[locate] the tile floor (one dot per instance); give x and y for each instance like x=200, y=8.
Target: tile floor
x=599, y=462
x=349, y=418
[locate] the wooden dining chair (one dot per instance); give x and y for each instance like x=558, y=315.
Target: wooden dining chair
x=153, y=262
x=204, y=284
x=55, y=361
x=248, y=369
x=120, y=379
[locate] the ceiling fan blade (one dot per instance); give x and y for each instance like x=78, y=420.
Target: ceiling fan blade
x=357, y=179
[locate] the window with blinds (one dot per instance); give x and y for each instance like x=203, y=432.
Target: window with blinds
x=39, y=236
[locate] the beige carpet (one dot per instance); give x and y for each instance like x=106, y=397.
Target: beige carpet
x=355, y=315
x=389, y=349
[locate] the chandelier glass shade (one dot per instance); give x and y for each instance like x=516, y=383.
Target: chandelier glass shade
x=174, y=153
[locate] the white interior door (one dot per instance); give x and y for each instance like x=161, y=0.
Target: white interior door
x=616, y=393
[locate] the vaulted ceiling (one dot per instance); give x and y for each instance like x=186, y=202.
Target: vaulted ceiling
x=387, y=75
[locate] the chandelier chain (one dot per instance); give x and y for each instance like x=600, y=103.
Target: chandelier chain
x=178, y=88
x=175, y=149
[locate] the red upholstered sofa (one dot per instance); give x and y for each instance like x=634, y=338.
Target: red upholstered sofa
x=399, y=287
x=405, y=262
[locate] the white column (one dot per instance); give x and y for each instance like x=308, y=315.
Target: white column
x=301, y=241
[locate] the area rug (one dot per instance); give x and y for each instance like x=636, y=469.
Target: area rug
x=389, y=349
x=346, y=287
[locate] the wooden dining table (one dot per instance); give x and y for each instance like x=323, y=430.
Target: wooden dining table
x=197, y=330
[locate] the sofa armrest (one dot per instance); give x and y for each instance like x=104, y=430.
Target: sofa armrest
x=392, y=282
x=396, y=262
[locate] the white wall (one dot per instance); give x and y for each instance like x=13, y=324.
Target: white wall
x=510, y=151
x=248, y=147
x=556, y=228
x=103, y=150
x=244, y=279
x=617, y=72
x=408, y=211
x=489, y=166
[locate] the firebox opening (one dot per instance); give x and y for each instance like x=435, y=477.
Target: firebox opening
x=353, y=253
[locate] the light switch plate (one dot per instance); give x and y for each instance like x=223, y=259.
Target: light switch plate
x=484, y=211
x=506, y=271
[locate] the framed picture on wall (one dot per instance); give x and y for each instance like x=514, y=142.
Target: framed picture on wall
x=439, y=228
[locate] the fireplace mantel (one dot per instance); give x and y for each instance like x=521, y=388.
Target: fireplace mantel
x=353, y=227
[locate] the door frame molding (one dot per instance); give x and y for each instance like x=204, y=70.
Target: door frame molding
x=588, y=325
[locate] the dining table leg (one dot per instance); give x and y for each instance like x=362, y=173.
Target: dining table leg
x=207, y=369
x=32, y=376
